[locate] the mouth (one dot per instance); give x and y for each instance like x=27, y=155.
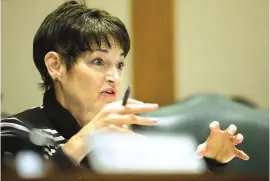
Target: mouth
x=109, y=92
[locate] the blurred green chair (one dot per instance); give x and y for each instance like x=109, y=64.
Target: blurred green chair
x=193, y=116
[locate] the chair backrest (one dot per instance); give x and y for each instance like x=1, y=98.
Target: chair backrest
x=193, y=116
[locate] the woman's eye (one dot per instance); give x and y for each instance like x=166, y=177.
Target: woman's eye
x=97, y=61
x=120, y=66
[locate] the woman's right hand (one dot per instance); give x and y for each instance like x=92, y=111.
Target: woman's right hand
x=112, y=118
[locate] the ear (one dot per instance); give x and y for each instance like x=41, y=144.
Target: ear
x=54, y=65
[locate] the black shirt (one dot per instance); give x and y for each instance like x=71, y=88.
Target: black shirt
x=44, y=130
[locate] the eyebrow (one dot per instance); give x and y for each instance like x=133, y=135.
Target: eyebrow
x=104, y=51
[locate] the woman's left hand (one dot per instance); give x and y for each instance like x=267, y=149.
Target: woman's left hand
x=220, y=145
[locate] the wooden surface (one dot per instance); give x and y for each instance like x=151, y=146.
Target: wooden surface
x=69, y=176
x=153, y=51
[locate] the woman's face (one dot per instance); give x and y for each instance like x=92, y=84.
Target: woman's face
x=95, y=79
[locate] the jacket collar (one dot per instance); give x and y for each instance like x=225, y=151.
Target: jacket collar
x=59, y=117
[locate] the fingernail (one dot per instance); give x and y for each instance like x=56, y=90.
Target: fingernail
x=154, y=105
x=198, y=155
x=153, y=122
x=240, y=139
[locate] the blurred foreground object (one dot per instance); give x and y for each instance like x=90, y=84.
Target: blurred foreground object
x=193, y=115
x=158, y=154
x=29, y=165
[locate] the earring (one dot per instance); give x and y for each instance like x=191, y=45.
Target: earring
x=56, y=80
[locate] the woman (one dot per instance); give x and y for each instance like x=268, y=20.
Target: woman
x=80, y=53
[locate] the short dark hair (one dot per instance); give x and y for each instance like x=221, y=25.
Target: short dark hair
x=71, y=30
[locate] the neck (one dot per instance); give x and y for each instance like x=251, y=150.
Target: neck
x=76, y=108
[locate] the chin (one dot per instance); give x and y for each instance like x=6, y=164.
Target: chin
x=103, y=103
x=100, y=104
x=109, y=100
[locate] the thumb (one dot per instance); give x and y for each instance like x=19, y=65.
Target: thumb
x=201, y=150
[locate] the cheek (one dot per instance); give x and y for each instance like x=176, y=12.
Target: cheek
x=84, y=80
x=89, y=79
x=120, y=79
x=119, y=82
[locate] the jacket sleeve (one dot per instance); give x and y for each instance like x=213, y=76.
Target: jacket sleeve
x=15, y=138
x=215, y=166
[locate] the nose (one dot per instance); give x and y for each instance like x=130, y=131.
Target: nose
x=112, y=76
